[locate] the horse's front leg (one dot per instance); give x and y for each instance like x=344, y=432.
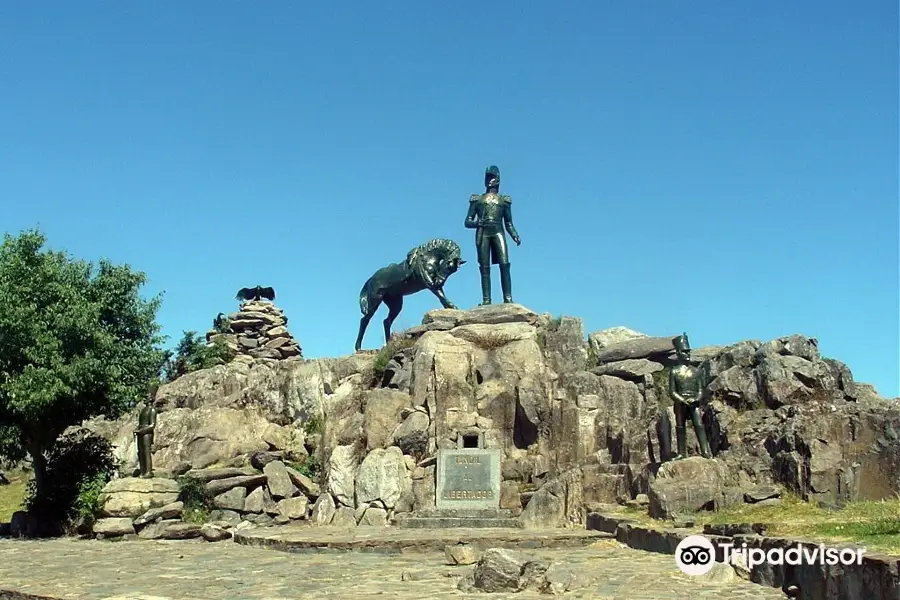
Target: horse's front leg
x=439, y=292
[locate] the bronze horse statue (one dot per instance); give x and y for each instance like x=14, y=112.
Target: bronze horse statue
x=426, y=267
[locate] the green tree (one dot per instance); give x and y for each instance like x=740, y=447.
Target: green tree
x=193, y=354
x=76, y=341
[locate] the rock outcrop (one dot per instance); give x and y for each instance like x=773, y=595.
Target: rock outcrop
x=576, y=420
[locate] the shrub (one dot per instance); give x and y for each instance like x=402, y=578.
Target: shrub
x=387, y=352
x=78, y=466
x=310, y=466
x=87, y=503
x=591, y=360
x=313, y=425
x=197, y=501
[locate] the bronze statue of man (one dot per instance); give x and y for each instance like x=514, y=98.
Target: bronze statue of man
x=686, y=386
x=144, y=434
x=488, y=214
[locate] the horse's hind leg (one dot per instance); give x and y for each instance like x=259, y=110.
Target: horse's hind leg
x=395, y=305
x=363, y=323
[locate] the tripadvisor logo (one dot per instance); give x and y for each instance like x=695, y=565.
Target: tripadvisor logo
x=696, y=555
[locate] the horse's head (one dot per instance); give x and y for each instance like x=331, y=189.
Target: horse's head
x=446, y=268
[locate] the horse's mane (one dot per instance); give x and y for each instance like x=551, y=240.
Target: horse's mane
x=447, y=249
x=444, y=249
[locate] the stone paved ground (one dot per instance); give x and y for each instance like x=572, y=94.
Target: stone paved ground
x=193, y=570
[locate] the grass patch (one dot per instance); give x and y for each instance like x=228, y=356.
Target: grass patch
x=12, y=496
x=387, y=352
x=310, y=466
x=874, y=524
x=491, y=340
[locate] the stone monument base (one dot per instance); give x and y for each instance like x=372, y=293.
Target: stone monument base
x=460, y=517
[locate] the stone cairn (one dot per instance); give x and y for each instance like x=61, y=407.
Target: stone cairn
x=257, y=331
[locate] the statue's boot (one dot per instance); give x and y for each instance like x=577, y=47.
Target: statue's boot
x=506, y=283
x=485, y=285
x=681, y=442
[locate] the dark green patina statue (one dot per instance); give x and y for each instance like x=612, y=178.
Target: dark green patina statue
x=686, y=383
x=425, y=268
x=488, y=214
x=144, y=434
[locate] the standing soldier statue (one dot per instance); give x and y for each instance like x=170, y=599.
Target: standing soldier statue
x=685, y=386
x=488, y=214
x=144, y=434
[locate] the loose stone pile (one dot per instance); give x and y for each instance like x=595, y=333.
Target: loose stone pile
x=267, y=492
x=257, y=331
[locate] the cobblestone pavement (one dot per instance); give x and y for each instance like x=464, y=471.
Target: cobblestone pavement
x=194, y=570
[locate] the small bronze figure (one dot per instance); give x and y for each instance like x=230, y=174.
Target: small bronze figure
x=426, y=268
x=488, y=214
x=144, y=434
x=256, y=293
x=686, y=387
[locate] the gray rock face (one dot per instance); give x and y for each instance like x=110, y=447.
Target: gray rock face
x=233, y=499
x=214, y=533
x=411, y=436
x=169, y=511
x=691, y=485
x=461, y=554
x=132, y=496
x=279, y=481
x=564, y=345
x=382, y=415
x=293, y=508
x=323, y=510
x=113, y=527
x=374, y=517
x=502, y=570
x=220, y=486
x=342, y=468
x=382, y=477
x=558, y=503
x=642, y=347
x=343, y=517
x=632, y=368
x=614, y=335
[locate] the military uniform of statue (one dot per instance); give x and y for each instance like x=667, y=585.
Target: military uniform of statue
x=144, y=434
x=488, y=214
x=685, y=386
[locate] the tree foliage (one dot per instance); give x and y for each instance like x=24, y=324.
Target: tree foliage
x=76, y=341
x=193, y=354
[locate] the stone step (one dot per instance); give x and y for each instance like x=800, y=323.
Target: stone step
x=478, y=513
x=456, y=522
x=303, y=538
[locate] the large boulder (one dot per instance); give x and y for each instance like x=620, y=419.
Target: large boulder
x=558, y=503
x=382, y=478
x=691, y=485
x=341, y=479
x=382, y=415
x=132, y=496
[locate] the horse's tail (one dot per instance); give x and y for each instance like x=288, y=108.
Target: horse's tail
x=364, y=297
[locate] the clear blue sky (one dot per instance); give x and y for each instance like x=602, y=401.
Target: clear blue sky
x=729, y=169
